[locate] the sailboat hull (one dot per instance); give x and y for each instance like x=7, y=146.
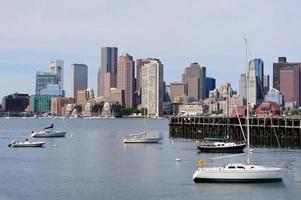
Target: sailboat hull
x=245, y=174
x=208, y=180
x=226, y=149
x=47, y=134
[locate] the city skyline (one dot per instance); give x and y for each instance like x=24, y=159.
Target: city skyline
x=213, y=39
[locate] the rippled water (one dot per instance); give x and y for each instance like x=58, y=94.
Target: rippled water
x=93, y=163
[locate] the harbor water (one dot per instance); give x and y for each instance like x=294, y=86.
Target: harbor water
x=91, y=162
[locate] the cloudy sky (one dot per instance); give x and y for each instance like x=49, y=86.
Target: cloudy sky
x=178, y=32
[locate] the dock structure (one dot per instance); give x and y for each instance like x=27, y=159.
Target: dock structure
x=263, y=131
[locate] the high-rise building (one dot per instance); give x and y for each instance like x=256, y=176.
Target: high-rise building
x=281, y=64
x=274, y=95
x=43, y=79
x=125, y=78
x=210, y=85
x=266, y=84
x=98, y=79
x=195, y=77
x=152, y=87
x=139, y=64
x=259, y=67
x=290, y=84
x=117, y=96
x=252, y=84
x=108, y=71
x=57, y=67
x=15, y=102
x=243, y=86
x=79, y=78
x=177, y=89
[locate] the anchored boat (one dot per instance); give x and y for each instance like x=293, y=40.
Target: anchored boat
x=238, y=172
x=25, y=143
x=48, y=132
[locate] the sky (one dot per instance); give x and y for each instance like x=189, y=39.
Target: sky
x=178, y=32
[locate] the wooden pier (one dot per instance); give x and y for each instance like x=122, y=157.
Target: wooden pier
x=263, y=131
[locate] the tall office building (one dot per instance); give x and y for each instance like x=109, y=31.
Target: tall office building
x=210, y=85
x=195, y=77
x=108, y=71
x=281, y=64
x=252, y=83
x=274, y=95
x=243, y=86
x=57, y=67
x=43, y=79
x=139, y=64
x=177, y=89
x=290, y=84
x=126, y=78
x=266, y=84
x=98, y=80
x=259, y=67
x=152, y=87
x=79, y=78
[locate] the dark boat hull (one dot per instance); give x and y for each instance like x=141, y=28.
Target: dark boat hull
x=207, y=180
x=230, y=149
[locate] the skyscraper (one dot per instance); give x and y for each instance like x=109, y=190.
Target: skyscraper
x=243, y=86
x=178, y=89
x=281, y=64
x=57, y=67
x=152, y=87
x=252, y=83
x=125, y=78
x=43, y=79
x=210, y=85
x=266, y=84
x=108, y=71
x=259, y=66
x=195, y=77
x=290, y=84
x=79, y=78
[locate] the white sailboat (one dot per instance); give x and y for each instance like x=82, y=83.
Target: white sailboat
x=238, y=172
x=144, y=137
x=48, y=132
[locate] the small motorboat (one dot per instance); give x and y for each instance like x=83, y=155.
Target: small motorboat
x=221, y=145
x=26, y=143
x=145, y=137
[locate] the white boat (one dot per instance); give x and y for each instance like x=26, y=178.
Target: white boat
x=145, y=137
x=26, y=143
x=238, y=172
x=49, y=132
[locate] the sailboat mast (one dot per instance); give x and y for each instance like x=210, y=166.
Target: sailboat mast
x=247, y=118
x=227, y=104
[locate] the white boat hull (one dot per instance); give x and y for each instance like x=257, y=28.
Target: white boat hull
x=129, y=140
x=43, y=134
x=145, y=137
x=30, y=144
x=251, y=173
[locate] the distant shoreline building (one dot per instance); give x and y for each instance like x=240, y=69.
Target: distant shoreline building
x=107, y=72
x=281, y=64
x=126, y=78
x=152, y=87
x=43, y=79
x=79, y=78
x=57, y=67
x=195, y=77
